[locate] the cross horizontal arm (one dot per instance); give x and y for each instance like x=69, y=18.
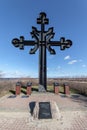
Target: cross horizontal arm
x=55, y=43
x=62, y=43
x=16, y=42
x=29, y=43
x=21, y=42
x=58, y=43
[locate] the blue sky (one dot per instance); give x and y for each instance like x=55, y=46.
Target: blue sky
x=69, y=19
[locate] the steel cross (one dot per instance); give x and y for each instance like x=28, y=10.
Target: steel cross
x=42, y=40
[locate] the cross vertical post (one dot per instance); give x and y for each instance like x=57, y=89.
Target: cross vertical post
x=42, y=53
x=42, y=42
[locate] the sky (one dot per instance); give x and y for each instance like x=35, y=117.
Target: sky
x=69, y=19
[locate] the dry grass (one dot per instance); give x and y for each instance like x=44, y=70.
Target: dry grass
x=79, y=87
x=6, y=86
x=76, y=86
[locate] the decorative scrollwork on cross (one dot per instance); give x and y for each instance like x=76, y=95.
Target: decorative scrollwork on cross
x=42, y=40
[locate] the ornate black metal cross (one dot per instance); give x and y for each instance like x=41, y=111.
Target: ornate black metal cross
x=41, y=42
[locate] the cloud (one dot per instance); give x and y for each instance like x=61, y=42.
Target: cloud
x=59, y=67
x=84, y=66
x=80, y=60
x=17, y=74
x=14, y=74
x=2, y=73
x=50, y=56
x=47, y=68
x=72, y=62
x=67, y=57
x=6, y=64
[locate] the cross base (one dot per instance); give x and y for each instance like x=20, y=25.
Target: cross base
x=41, y=88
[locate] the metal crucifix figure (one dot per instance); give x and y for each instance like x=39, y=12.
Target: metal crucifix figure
x=42, y=41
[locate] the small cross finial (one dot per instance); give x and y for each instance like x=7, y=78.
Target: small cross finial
x=42, y=19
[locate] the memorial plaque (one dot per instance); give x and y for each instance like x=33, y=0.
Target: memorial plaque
x=44, y=110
